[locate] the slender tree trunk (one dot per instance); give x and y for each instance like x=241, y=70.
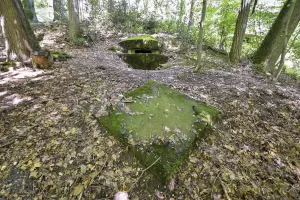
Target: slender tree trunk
x=19, y=37
x=200, y=38
x=74, y=28
x=59, y=10
x=294, y=40
x=181, y=15
x=223, y=35
x=265, y=48
x=239, y=33
x=271, y=48
x=285, y=40
x=29, y=9
x=111, y=6
x=95, y=7
x=191, y=17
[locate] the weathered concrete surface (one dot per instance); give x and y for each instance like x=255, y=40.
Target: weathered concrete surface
x=146, y=42
x=144, y=61
x=156, y=121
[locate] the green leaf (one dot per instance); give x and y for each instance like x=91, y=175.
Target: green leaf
x=77, y=190
x=33, y=174
x=229, y=147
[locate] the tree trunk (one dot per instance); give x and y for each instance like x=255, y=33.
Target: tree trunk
x=240, y=29
x=271, y=47
x=191, y=17
x=181, y=15
x=19, y=37
x=29, y=9
x=74, y=28
x=285, y=39
x=200, y=38
x=95, y=7
x=59, y=10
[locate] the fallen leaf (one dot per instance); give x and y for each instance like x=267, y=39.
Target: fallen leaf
x=77, y=190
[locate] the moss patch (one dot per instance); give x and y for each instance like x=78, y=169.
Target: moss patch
x=141, y=37
x=140, y=42
x=114, y=48
x=60, y=56
x=144, y=61
x=157, y=121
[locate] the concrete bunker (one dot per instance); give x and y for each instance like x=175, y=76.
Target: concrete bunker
x=156, y=121
x=142, y=52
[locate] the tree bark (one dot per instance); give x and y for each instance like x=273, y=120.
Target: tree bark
x=200, y=37
x=95, y=7
x=74, y=27
x=266, y=46
x=181, y=15
x=59, y=10
x=285, y=39
x=191, y=17
x=19, y=37
x=111, y=6
x=271, y=47
x=29, y=9
x=239, y=33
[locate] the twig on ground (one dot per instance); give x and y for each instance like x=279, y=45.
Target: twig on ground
x=212, y=187
x=224, y=189
x=132, y=186
x=7, y=144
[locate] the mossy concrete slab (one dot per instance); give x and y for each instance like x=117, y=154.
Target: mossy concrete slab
x=144, y=61
x=156, y=121
x=146, y=42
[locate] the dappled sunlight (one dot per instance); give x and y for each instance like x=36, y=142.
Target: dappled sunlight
x=13, y=99
x=88, y=125
x=42, y=78
x=35, y=107
x=3, y=93
x=19, y=74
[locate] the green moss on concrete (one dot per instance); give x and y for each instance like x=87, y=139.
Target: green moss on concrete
x=140, y=42
x=144, y=61
x=114, y=48
x=141, y=37
x=161, y=122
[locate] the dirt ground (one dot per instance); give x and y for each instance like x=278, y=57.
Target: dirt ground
x=52, y=146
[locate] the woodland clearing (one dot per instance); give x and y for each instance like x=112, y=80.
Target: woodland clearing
x=52, y=145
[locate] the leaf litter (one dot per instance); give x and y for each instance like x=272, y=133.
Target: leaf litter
x=53, y=147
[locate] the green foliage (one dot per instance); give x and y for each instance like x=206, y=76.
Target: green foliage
x=150, y=25
x=294, y=72
x=168, y=25
x=60, y=56
x=220, y=23
x=28, y=11
x=296, y=46
x=79, y=42
x=41, y=3
x=126, y=21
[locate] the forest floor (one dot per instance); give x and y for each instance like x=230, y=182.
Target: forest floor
x=52, y=146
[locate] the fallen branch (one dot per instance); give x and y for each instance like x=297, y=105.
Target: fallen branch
x=7, y=144
x=212, y=187
x=224, y=189
x=137, y=180
x=132, y=186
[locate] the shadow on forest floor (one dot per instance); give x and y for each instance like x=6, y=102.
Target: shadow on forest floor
x=50, y=131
